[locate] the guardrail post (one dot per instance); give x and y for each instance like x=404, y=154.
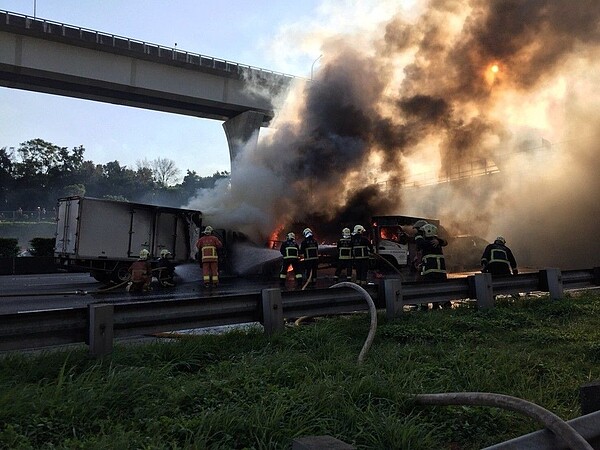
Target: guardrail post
x=481, y=283
x=589, y=397
x=272, y=307
x=551, y=281
x=392, y=293
x=100, y=328
x=320, y=443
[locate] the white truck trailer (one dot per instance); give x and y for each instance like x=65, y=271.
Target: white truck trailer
x=104, y=237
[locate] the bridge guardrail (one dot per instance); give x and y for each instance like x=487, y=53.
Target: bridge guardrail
x=33, y=25
x=98, y=323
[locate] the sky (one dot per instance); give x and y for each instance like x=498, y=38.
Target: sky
x=240, y=31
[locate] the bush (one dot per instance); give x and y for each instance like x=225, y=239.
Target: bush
x=42, y=246
x=9, y=247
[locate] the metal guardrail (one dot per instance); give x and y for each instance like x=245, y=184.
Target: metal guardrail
x=33, y=25
x=587, y=426
x=105, y=321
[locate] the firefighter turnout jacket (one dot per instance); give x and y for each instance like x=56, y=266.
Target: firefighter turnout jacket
x=432, y=259
x=344, y=248
x=498, y=259
x=208, y=246
x=290, y=251
x=310, y=249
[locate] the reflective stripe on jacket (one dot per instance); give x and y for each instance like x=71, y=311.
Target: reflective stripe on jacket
x=311, y=251
x=290, y=252
x=344, y=248
x=432, y=263
x=498, y=255
x=209, y=253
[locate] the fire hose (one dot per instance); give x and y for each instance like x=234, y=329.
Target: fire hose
x=372, y=312
x=550, y=420
x=389, y=263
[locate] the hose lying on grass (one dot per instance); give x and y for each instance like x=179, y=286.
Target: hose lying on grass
x=372, y=311
x=550, y=420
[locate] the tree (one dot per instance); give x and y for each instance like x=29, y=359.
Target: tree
x=164, y=171
x=38, y=157
x=6, y=175
x=41, y=170
x=74, y=189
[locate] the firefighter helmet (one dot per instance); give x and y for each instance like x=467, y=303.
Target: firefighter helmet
x=419, y=224
x=501, y=240
x=346, y=232
x=429, y=230
x=208, y=230
x=144, y=254
x=291, y=236
x=307, y=232
x=359, y=229
x=164, y=253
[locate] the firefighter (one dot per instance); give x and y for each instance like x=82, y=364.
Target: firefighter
x=344, y=255
x=291, y=257
x=361, y=247
x=415, y=259
x=498, y=259
x=208, y=246
x=165, y=269
x=435, y=241
x=433, y=264
x=309, y=249
x=141, y=273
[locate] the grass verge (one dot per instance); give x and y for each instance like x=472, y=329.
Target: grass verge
x=243, y=390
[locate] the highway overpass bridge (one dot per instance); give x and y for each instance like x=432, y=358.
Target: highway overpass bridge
x=55, y=58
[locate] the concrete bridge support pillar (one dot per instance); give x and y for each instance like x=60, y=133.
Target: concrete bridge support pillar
x=242, y=130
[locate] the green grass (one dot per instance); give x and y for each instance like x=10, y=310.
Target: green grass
x=243, y=390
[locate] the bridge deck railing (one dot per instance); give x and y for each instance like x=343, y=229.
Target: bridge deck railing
x=37, y=26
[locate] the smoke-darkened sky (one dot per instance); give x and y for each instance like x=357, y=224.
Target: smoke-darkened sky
x=457, y=85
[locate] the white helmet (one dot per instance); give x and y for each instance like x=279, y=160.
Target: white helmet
x=359, y=229
x=501, y=240
x=208, y=230
x=346, y=232
x=307, y=232
x=291, y=236
x=419, y=224
x=144, y=254
x=429, y=230
x=164, y=253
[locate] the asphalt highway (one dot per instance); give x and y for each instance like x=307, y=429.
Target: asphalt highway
x=20, y=293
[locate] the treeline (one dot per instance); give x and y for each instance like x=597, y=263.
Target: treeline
x=37, y=173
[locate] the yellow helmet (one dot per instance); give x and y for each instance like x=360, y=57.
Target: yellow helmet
x=144, y=254
x=346, y=232
x=429, y=230
x=291, y=236
x=208, y=230
x=164, y=253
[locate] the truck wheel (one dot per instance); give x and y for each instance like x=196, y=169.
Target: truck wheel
x=121, y=274
x=101, y=276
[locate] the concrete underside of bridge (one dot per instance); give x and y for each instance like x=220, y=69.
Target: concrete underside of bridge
x=91, y=72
